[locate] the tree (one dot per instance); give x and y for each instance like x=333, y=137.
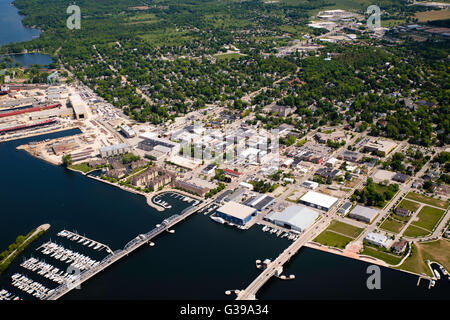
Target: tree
x=66, y=160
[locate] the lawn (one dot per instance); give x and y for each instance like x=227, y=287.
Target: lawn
x=415, y=232
x=228, y=56
x=409, y=205
x=438, y=251
x=344, y=228
x=386, y=257
x=392, y=225
x=428, y=218
x=83, y=167
x=332, y=239
x=427, y=200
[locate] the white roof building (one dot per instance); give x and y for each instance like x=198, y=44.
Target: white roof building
x=318, y=200
x=294, y=217
x=378, y=239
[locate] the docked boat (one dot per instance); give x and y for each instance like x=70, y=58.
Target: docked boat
x=218, y=219
x=436, y=273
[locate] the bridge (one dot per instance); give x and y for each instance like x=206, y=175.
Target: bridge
x=131, y=246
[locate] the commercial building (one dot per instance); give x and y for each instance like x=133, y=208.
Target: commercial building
x=260, y=202
x=377, y=239
x=318, y=200
x=236, y=213
x=400, y=177
x=364, y=214
x=382, y=147
x=78, y=105
x=152, y=142
x=127, y=131
x=310, y=184
x=113, y=150
x=345, y=208
x=294, y=218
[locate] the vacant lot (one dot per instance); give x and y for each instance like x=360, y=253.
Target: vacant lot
x=409, y=205
x=433, y=15
x=346, y=229
x=392, y=225
x=333, y=239
x=428, y=218
x=427, y=200
x=438, y=251
x=415, y=232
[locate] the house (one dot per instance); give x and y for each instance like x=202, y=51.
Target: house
x=399, y=247
x=402, y=212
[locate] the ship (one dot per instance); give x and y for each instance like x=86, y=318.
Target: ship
x=218, y=219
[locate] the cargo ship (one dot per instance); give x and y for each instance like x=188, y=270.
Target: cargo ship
x=27, y=126
x=14, y=112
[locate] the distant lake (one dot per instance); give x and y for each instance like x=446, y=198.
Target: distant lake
x=11, y=28
x=29, y=59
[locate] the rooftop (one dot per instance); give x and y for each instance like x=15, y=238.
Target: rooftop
x=236, y=210
x=319, y=199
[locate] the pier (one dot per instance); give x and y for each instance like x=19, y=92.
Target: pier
x=131, y=246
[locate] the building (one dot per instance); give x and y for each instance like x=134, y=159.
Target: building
x=236, y=213
x=331, y=162
x=345, y=208
x=209, y=169
x=282, y=111
x=127, y=131
x=310, y=184
x=294, y=218
x=364, y=214
x=381, y=147
x=232, y=173
x=152, y=142
x=260, y=203
x=351, y=156
x=402, y=212
x=399, y=247
x=79, y=106
x=249, y=186
x=114, y=150
x=377, y=239
x=318, y=200
x=400, y=177
x=191, y=187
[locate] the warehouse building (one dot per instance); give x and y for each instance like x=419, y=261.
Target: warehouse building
x=78, y=105
x=345, y=208
x=294, y=218
x=318, y=200
x=113, y=150
x=152, y=142
x=236, y=213
x=127, y=131
x=364, y=214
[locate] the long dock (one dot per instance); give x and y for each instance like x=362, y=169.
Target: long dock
x=131, y=246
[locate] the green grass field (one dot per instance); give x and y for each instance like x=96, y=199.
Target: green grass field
x=346, y=229
x=438, y=251
x=428, y=200
x=332, y=239
x=228, y=56
x=386, y=257
x=415, y=232
x=428, y=218
x=409, y=205
x=392, y=225
x=81, y=167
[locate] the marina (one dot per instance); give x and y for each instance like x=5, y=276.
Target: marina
x=83, y=240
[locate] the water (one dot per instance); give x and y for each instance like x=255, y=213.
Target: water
x=11, y=28
x=29, y=59
x=201, y=260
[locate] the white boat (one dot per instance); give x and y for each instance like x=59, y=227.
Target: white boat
x=436, y=273
x=218, y=219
